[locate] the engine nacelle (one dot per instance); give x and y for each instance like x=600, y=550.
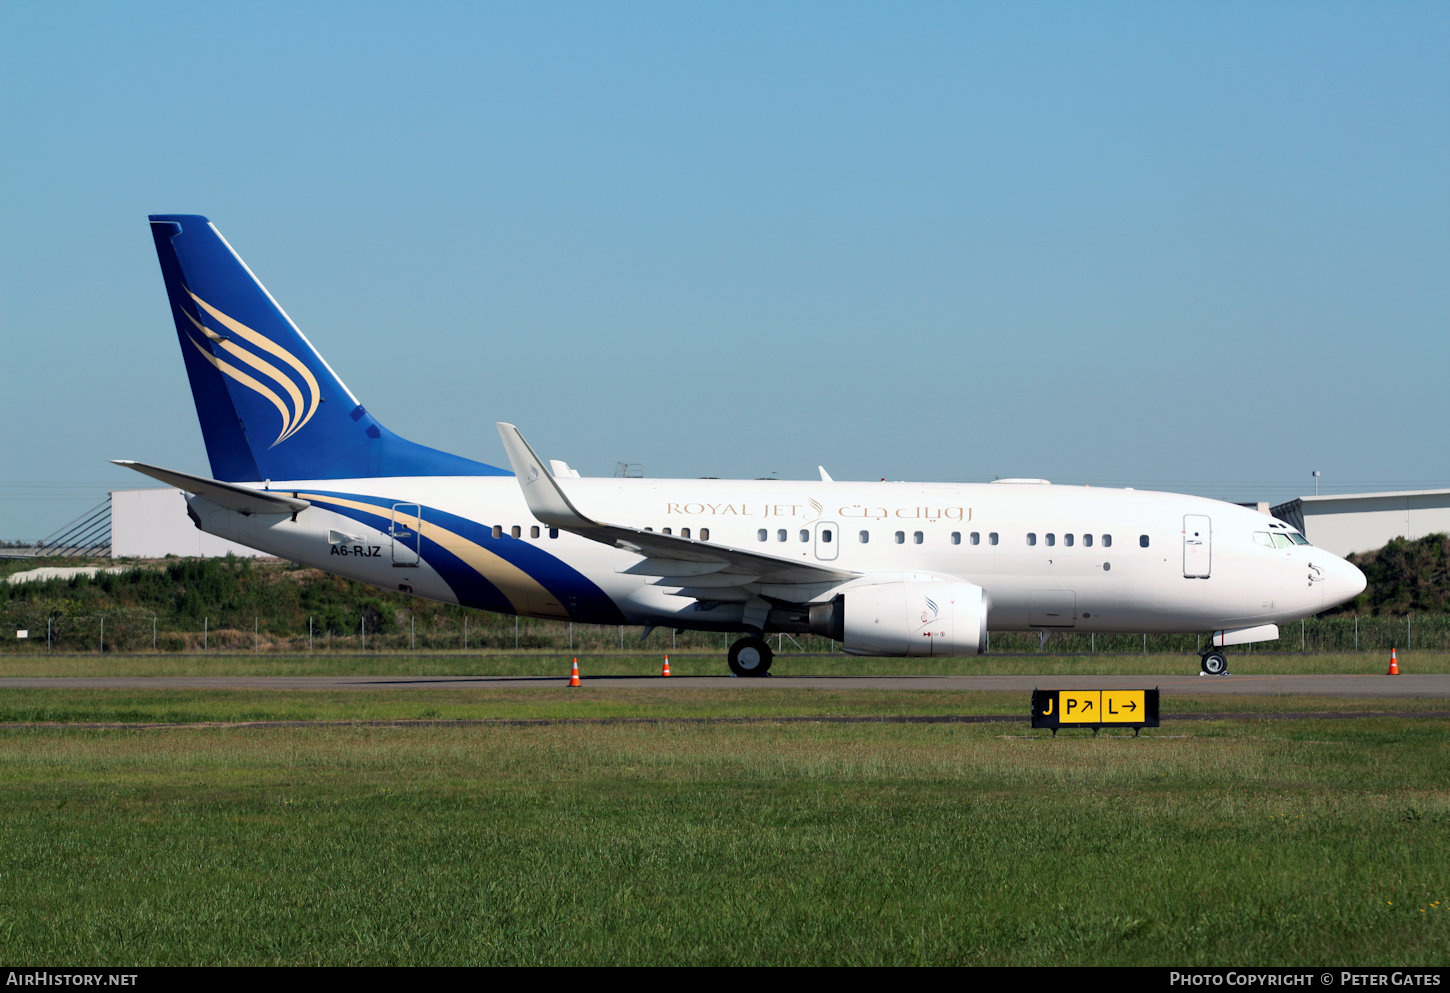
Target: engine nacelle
x=908, y=617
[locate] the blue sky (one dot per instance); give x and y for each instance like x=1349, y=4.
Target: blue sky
x=1190, y=246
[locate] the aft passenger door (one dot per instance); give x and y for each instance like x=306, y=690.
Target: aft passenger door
x=1197, y=546
x=407, y=522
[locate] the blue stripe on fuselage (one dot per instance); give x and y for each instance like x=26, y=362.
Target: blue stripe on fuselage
x=581, y=598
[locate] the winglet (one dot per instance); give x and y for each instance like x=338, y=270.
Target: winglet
x=546, y=500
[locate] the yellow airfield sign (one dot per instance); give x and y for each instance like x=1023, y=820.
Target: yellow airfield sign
x=1094, y=708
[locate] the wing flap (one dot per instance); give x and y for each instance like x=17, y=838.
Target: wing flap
x=733, y=594
x=671, y=567
x=716, y=581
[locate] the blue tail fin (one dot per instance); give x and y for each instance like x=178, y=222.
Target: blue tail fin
x=270, y=407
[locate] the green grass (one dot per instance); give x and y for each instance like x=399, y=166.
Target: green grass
x=557, y=702
x=40, y=664
x=1239, y=841
x=174, y=706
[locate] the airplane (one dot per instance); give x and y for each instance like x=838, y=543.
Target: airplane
x=302, y=470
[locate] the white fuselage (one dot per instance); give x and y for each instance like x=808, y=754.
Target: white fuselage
x=1049, y=557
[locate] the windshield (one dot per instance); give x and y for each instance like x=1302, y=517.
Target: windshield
x=1279, y=539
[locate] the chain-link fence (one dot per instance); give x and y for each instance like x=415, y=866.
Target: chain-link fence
x=1428, y=632
x=26, y=628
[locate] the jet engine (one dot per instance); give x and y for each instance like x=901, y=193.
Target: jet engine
x=906, y=617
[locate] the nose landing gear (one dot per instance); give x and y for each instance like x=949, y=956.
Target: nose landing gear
x=1213, y=663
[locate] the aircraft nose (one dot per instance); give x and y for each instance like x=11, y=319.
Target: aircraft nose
x=1343, y=581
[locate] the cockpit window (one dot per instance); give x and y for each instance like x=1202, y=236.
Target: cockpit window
x=1282, y=541
x=1298, y=539
x=1263, y=538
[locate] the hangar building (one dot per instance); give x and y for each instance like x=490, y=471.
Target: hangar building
x=1362, y=522
x=152, y=524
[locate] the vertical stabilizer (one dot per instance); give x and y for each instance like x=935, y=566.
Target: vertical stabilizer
x=270, y=407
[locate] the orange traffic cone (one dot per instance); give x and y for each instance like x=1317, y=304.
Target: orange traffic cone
x=666, y=671
x=574, y=676
x=1394, y=666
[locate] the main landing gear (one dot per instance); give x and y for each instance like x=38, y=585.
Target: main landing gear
x=751, y=656
x=1213, y=663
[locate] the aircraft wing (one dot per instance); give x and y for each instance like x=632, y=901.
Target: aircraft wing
x=702, y=569
x=239, y=498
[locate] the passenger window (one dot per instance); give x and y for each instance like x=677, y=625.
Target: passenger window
x=992, y=538
x=498, y=530
x=553, y=532
x=515, y=531
x=667, y=530
x=1107, y=541
x=956, y=537
x=1067, y=540
x=916, y=537
x=704, y=534
x=1087, y=541
x=805, y=535
x=1031, y=538
x=865, y=537
x=760, y=535
x=684, y=532
x=1051, y=539
x=534, y=531
x=780, y=535
x=1142, y=541
x=976, y=537
x=901, y=537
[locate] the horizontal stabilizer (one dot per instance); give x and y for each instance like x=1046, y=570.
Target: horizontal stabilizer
x=242, y=499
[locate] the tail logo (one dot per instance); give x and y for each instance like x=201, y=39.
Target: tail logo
x=249, y=349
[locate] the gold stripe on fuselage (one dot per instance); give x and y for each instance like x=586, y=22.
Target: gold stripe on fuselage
x=523, y=591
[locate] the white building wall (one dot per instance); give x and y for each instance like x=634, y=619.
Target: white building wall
x=1366, y=521
x=152, y=524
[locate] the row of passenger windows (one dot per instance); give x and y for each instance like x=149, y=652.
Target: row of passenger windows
x=1068, y=540
x=974, y=538
x=1050, y=538
x=685, y=532
x=518, y=532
